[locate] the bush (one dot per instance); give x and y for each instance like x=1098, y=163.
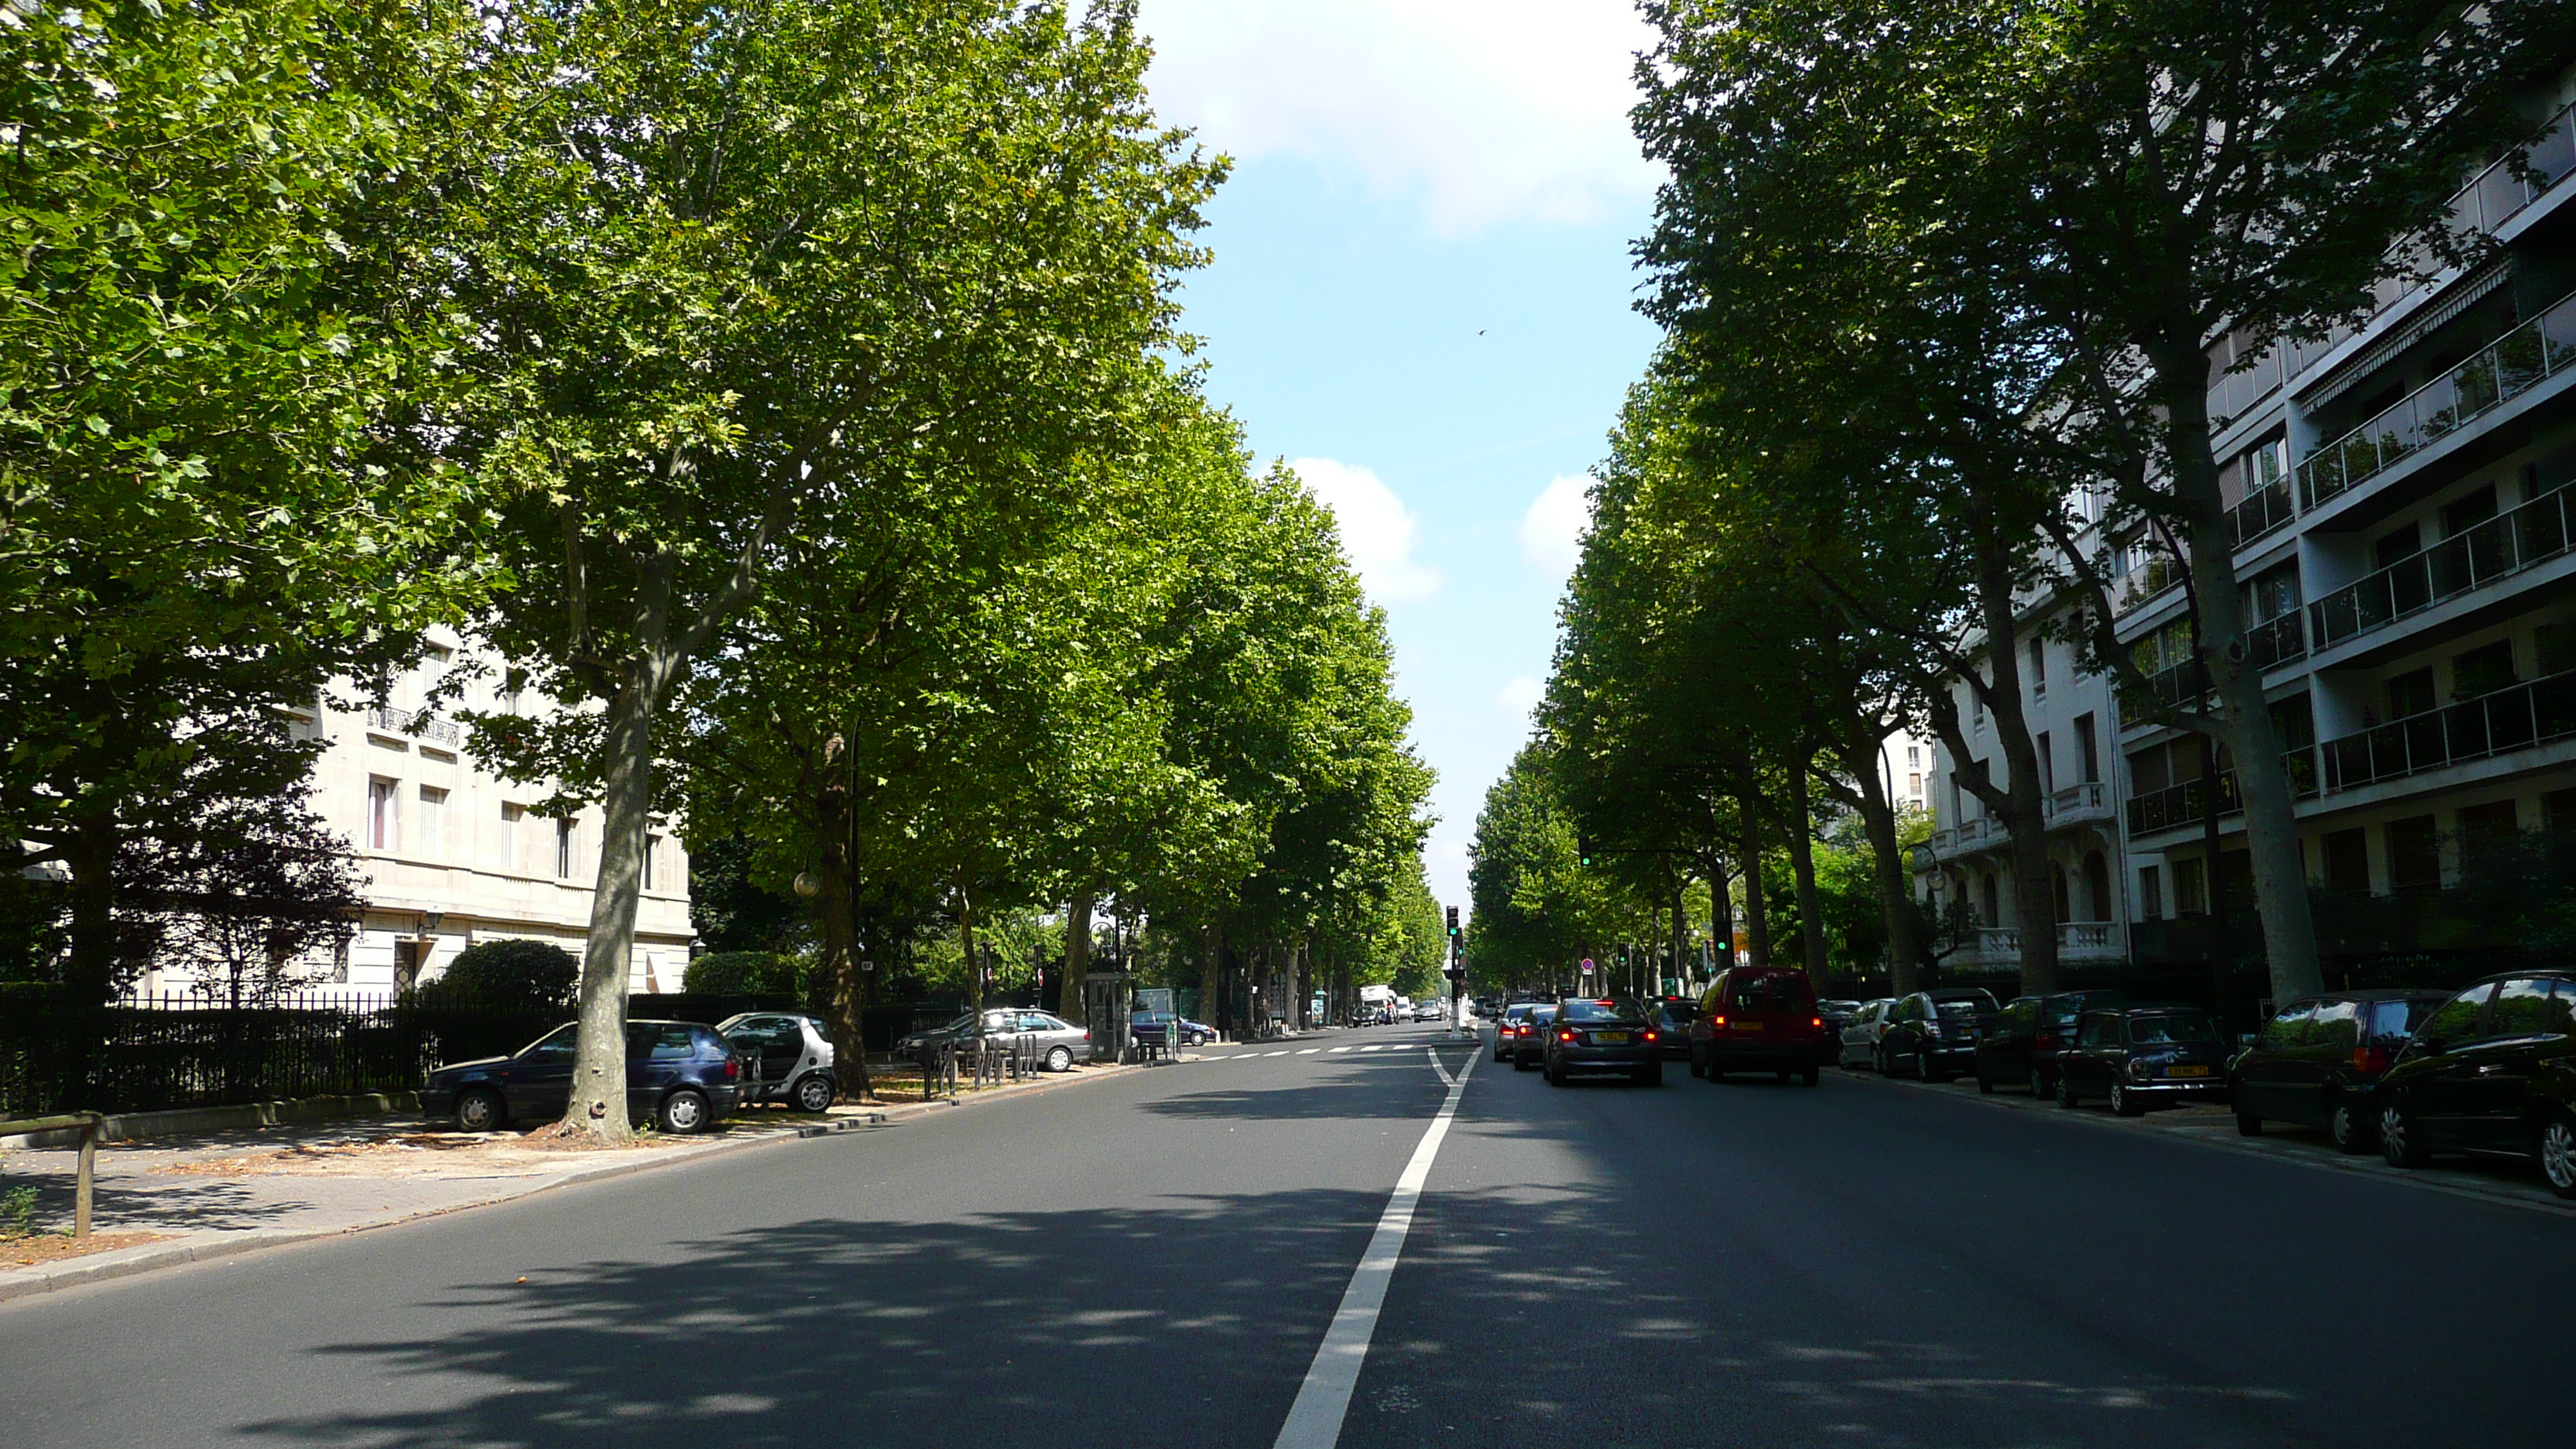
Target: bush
x=512, y=973
x=744, y=973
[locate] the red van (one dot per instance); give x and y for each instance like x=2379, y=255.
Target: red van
x=1760, y=1019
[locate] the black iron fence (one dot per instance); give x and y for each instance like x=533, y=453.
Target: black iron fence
x=180, y=1050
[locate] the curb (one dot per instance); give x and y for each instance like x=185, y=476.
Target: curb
x=132, y=1126
x=2532, y=1200
x=27, y=1282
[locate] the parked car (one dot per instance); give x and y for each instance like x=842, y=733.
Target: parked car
x=1859, y=1036
x=1837, y=1015
x=1672, y=1017
x=1759, y=1018
x=2491, y=1070
x=2143, y=1057
x=2020, y=1046
x=2318, y=1063
x=1593, y=1035
x=1529, y=1045
x=679, y=1075
x=1934, y=1033
x=1059, y=1043
x=793, y=1055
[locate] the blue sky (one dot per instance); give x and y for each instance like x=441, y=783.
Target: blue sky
x=1422, y=297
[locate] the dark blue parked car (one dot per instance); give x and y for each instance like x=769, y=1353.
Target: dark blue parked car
x=678, y=1074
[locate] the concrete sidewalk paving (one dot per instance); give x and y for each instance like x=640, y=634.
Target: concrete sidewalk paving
x=214, y=1194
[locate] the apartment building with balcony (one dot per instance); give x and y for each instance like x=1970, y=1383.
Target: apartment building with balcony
x=453, y=855
x=2406, y=536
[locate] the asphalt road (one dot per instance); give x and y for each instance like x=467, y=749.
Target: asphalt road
x=1153, y=1259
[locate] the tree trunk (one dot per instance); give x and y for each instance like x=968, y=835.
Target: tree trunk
x=1077, y=958
x=1757, y=916
x=598, y=1106
x=1888, y=872
x=89, y=853
x=2262, y=781
x=1681, y=930
x=2025, y=811
x=974, y=971
x=1802, y=865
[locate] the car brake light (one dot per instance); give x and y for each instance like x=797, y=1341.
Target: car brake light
x=1565, y=1036
x=733, y=1069
x=2046, y=1041
x=1650, y=1036
x=1815, y=1021
x=2370, y=1059
x=1717, y=1021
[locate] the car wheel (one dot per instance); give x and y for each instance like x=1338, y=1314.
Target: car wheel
x=1555, y=1075
x=2398, y=1141
x=1060, y=1059
x=686, y=1111
x=2125, y=1103
x=814, y=1092
x=2558, y=1154
x=2066, y=1091
x=1985, y=1084
x=2248, y=1124
x=1878, y=1061
x=1811, y=1076
x=479, y=1109
x=2038, y=1083
x=1699, y=1065
x=2349, y=1129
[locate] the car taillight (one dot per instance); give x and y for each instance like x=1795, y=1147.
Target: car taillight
x=1815, y=1021
x=2371, y=1059
x=1565, y=1036
x=1717, y=1021
x=733, y=1069
x=2046, y=1041
x=1650, y=1036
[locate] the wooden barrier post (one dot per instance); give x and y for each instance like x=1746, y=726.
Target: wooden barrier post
x=87, y=1176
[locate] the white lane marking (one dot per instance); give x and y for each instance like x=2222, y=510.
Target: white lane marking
x=1274, y=1054
x=1315, y=1420
x=1373, y=1048
x=1338, y=1049
x=1310, y=1051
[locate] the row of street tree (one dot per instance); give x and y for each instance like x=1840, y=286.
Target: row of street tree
x=1940, y=285
x=791, y=392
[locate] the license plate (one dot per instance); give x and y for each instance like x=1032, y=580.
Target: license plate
x=2186, y=1071
x=1609, y=1038
x=1746, y=1025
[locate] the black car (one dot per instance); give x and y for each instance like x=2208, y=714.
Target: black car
x=678, y=1074
x=2492, y=1070
x=2020, y=1046
x=1671, y=1017
x=1934, y=1033
x=1529, y=1045
x=1608, y=1034
x=1837, y=1015
x=2142, y=1057
x=1508, y=1030
x=2318, y=1063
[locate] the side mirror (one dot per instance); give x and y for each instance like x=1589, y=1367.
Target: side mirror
x=2245, y=1039
x=2431, y=1046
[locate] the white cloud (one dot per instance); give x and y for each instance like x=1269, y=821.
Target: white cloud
x=1376, y=527
x=1520, y=696
x=1552, y=530
x=1482, y=110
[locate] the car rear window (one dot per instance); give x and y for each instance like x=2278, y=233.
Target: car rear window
x=2399, y=1018
x=1681, y=1010
x=2172, y=1030
x=1582, y=1009
x=1956, y=1010
x=1515, y=1013
x=1769, y=993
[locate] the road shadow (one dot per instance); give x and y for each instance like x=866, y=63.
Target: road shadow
x=1072, y=1327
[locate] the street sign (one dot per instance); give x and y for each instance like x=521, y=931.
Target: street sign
x=1587, y=965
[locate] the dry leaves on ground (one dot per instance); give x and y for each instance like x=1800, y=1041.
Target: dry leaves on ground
x=54, y=1247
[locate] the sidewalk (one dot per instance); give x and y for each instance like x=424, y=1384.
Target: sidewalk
x=2213, y=1125
x=190, y=1198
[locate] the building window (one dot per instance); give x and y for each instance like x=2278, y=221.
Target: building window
x=2187, y=888
x=2347, y=861
x=2038, y=669
x=652, y=861
x=2047, y=764
x=382, y=829
x=1914, y=787
x=2482, y=670
x=2151, y=893
x=2414, y=854
x=1913, y=757
x=433, y=822
x=563, y=850
x=2087, y=753
x=512, y=817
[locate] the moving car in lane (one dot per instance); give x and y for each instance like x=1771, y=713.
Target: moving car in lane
x=2492, y=1070
x=1529, y=1045
x=2020, y=1046
x=787, y=1058
x=2143, y=1057
x=1760, y=1019
x=2318, y=1063
x=1594, y=1035
x=679, y=1075
x=1859, y=1036
x=1672, y=1016
x=1508, y=1030
x=1934, y=1033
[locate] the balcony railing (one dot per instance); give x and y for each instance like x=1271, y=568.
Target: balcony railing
x=2507, y=543
x=2515, y=717
x=2276, y=640
x=2132, y=589
x=2503, y=370
x=418, y=723
x=2076, y=799
x=2183, y=804
x=2262, y=511
x=2500, y=191
x=2074, y=938
x=2178, y=685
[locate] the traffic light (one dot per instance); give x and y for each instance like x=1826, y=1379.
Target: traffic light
x=1583, y=849
x=1453, y=923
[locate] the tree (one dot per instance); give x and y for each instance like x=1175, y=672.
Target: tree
x=213, y=497
x=752, y=267
x=237, y=899
x=513, y=973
